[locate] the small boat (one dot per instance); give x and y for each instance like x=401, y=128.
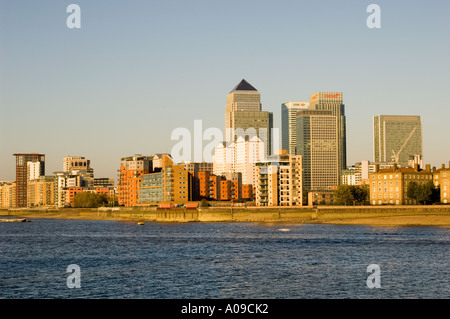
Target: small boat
x=141, y=223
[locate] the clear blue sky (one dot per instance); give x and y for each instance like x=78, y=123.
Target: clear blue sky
x=136, y=70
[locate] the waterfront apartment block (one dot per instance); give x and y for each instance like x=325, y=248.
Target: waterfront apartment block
x=7, y=194
x=22, y=174
x=397, y=138
x=289, y=112
x=389, y=185
x=441, y=179
x=200, y=173
x=244, y=116
x=280, y=180
x=42, y=191
x=172, y=184
x=318, y=144
x=130, y=172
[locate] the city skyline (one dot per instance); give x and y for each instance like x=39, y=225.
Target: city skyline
x=105, y=92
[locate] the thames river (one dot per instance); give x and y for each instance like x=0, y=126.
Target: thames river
x=220, y=260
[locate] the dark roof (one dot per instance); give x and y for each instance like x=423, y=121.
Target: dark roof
x=243, y=86
x=403, y=170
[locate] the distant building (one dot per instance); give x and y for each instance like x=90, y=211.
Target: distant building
x=333, y=102
x=239, y=157
x=358, y=174
x=200, y=174
x=244, y=117
x=66, y=182
x=349, y=176
x=23, y=174
x=318, y=143
x=289, y=112
x=104, y=182
x=82, y=166
x=396, y=138
x=157, y=161
x=279, y=181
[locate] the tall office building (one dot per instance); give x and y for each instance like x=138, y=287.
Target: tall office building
x=397, y=138
x=289, y=112
x=333, y=101
x=318, y=143
x=244, y=117
x=22, y=174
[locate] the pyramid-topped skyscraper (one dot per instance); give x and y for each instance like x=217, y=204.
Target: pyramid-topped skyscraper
x=244, y=117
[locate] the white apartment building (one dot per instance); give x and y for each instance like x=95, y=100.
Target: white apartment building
x=239, y=157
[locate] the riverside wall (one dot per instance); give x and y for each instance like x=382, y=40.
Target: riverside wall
x=231, y=214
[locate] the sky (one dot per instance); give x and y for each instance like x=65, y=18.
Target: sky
x=137, y=70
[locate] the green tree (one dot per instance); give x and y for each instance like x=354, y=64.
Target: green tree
x=351, y=194
x=423, y=193
x=89, y=200
x=412, y=190
x=343, y=195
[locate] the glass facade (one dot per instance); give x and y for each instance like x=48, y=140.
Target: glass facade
x=397, y=138
x=151, y=188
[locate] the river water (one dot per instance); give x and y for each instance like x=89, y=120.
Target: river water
x=220, y=260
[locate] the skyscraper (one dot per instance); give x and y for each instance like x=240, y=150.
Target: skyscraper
x=333, y=101
x=22, y=174
x=244, y=117
x=318, y=143
x=396, y=138
x=288, y=124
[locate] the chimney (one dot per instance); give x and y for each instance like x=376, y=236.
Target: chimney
x=443, y=166
x=428, y=168
x=394, y=167
x=377, y=168
x=416, y=167
x=434, y=168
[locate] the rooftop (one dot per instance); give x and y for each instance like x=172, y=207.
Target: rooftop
x=243, y=86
